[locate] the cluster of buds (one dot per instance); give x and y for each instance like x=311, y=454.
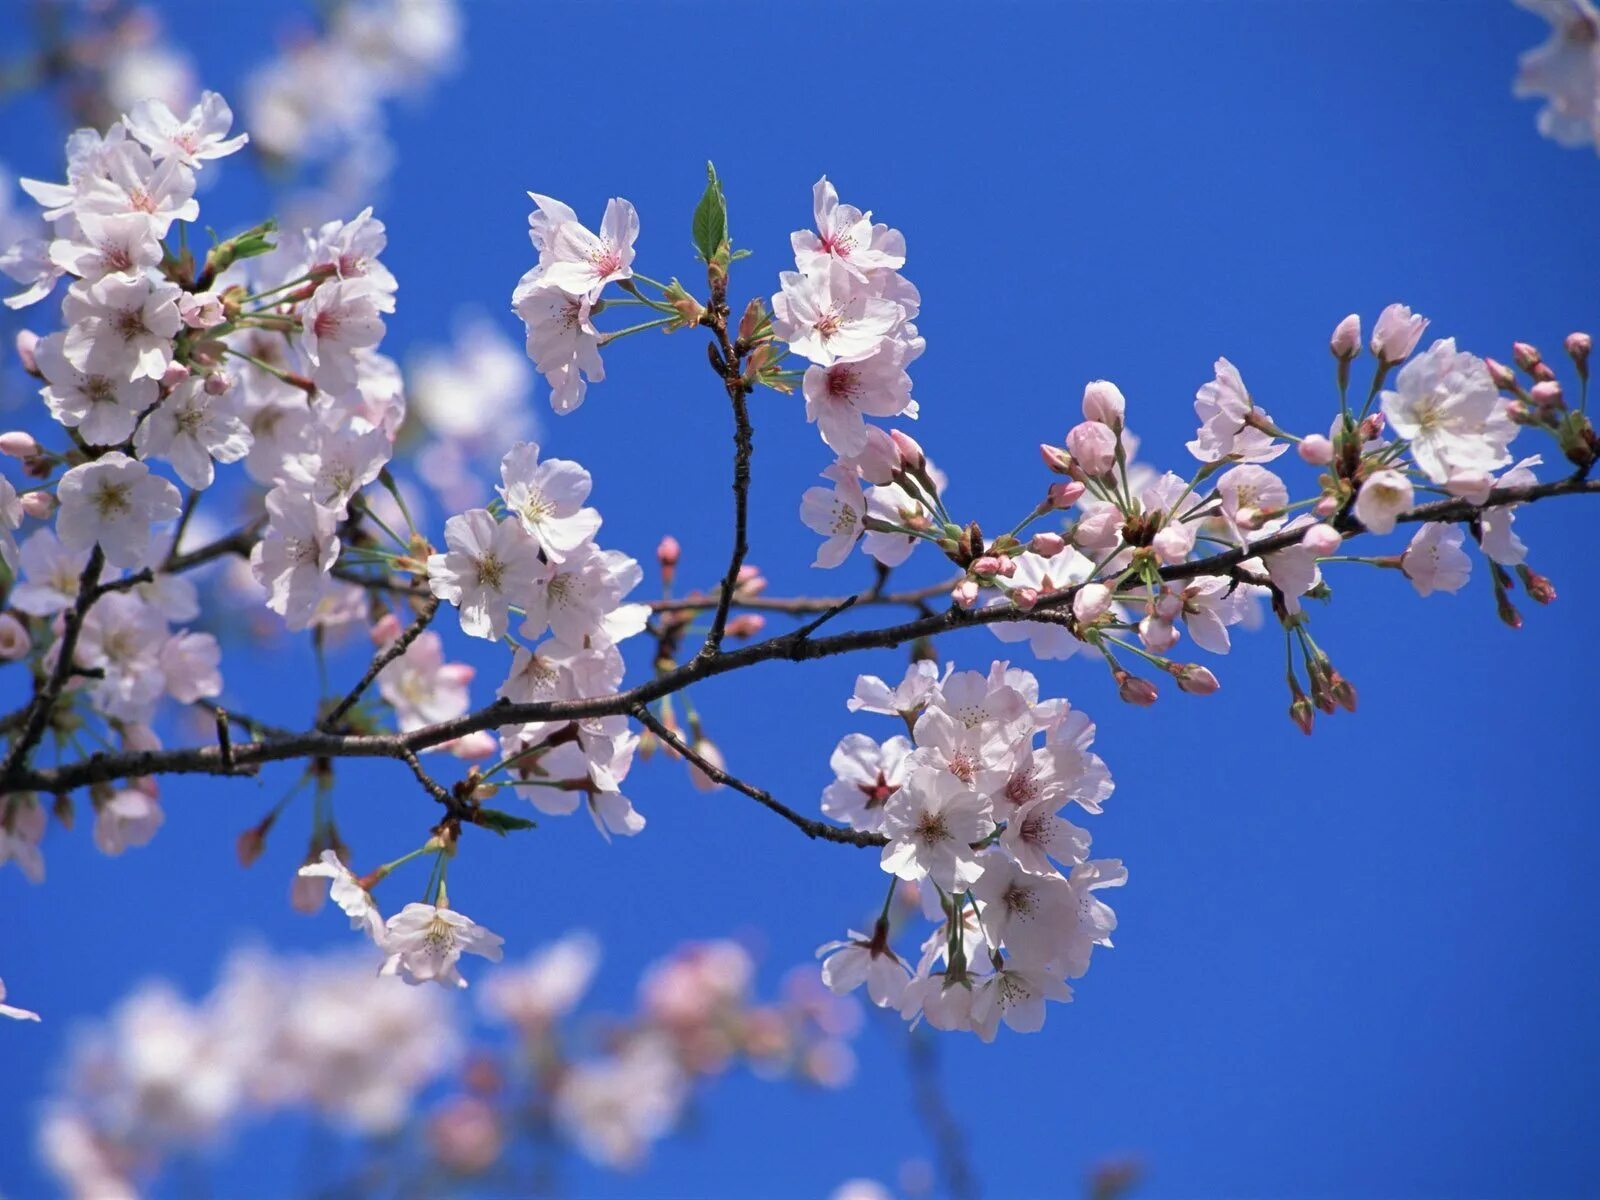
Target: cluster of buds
x=1541, y=403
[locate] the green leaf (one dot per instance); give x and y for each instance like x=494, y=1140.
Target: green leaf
x=710, y=227
x=502, y=822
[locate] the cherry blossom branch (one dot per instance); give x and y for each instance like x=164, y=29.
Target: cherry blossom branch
x=380, y=660
x=725, y=360
x=795, y=646
x=804, y=605
x=44, y=699
x=812, y=829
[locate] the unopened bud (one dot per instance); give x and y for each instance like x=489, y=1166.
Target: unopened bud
x=1091, y=602
x=27, y=341
x=1322, y=539
x=1542, y=372
x=1167, y=606
x=1103, y=401
x=1094, y=446
x=964, y=594
x=1065, y=495
x=1047, y=545
x=746, y=625
x=175, y=374
x=1342, y=691
x=1057, y=459
x=1346, y=341
x=991, y=564
x=251, y=843
x=1578, y=347
x=1525, y=356
x=1025, y=598
x=39, y=505
x=1316, y=450
x=1372, y=426
x=667, y=554
x=1540, y=589
x=1301, y=713
x=1546, y=394
x=911, y=456
x=217, y=383
x=749, y=581
x=1326, y=506
x=63, y=811
x=1506, y=610
x=1192, y=677
x=1501, y=374
x=18, y=444
x=1134, y=690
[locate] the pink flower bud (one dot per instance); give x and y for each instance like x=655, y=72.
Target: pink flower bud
x=964, y=594
x=1372, y=427
x=307, y=894
x=668, y=552
x=1195, y=679
x=1167, y=606
x=1546, y=394
x=1024, y=598
x=1048, y=545
x=17, y=444
x=39, y=505
x=14, y=640
x=750, y=581
x=1500, y=373
x=1065, y=495
x=1135, y=690
x=1100, y=530
x=1103, y=402
x=1172, y=543
x=1542, y=372
x=1397, y=333
x=175, y=374
x=1578, y=347
x=1157, y=635
x=993, y=564
x=1094, y=446
x=1326, y=506
x=27, y=339
x=1525, y=356
x=1322, y=540
x=217, y=383
x=1057, y=459
x=1346, y=341
x=911, y=455
x=1316, y=450
x=1092, y=601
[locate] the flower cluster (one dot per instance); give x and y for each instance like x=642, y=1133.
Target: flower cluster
x=971, y=808
x=557, y=298
x=164, y=1076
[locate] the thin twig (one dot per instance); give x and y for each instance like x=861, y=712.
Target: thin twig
x=44, y=700
x=380, y=660
x=812, y=829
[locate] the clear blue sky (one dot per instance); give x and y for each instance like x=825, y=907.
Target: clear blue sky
x=1363, y=964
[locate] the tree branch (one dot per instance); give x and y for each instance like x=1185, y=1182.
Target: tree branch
x=788, y=647
x=380, y=660
x=812, y=829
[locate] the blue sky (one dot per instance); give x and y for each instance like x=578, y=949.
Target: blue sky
x=1361, y=964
